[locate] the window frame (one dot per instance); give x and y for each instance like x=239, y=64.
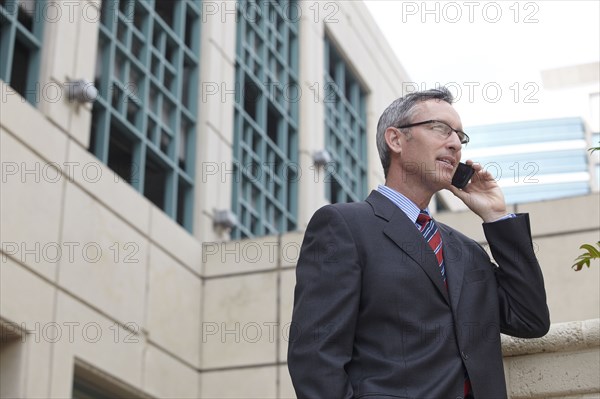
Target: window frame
x=145, y=104
x=12, y=31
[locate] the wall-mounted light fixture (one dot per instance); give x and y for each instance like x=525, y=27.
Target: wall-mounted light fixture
x=224, y=219
x=81, y=91
x=321, y=157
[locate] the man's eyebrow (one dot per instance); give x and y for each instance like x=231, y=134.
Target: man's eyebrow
x=449, y=124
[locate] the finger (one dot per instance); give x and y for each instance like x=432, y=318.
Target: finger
x=458, y=192
x=486, y=175
x=473, y=164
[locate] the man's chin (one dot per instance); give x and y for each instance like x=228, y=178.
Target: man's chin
x=444, y=177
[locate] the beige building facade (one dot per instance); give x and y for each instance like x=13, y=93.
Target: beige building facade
x=103, y=292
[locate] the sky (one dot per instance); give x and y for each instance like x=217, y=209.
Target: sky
x=491, y=53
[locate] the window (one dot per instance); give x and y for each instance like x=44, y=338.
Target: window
x=91, y=383
x=345, y=130
x=265, y=150
x=144, y=120
x=21, y=25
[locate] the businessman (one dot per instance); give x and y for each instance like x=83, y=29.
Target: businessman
x=390, y=303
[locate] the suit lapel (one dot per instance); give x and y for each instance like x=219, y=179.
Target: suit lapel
x=454, y=257
x=410, y=240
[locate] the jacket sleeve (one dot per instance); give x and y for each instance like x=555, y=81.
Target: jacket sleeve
x=522, y=296
x=326, y=303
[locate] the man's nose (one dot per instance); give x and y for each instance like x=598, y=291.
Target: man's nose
x=454, y=142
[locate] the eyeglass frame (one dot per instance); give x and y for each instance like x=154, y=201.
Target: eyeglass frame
x=464, y=140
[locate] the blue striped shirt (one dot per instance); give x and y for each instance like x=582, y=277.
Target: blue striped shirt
x=407, y=206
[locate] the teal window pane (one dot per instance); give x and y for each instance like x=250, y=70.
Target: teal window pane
x=543, y=192
x=21, y=27
x=265, y=150
x=345, y=130
x=144, y=120
x=534, y=164
x=538, y=131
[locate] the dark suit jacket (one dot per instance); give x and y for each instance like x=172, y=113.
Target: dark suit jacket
x=373, y=319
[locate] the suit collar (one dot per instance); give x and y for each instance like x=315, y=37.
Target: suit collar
x=382, y=207
x=406, y=236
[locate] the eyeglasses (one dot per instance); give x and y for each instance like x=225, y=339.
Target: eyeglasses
x=441, y=128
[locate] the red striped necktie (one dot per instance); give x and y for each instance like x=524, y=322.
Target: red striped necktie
x=434, y=238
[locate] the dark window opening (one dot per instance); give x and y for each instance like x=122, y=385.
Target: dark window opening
x=25, y=16
x=165, y=9
x=182, y=193
x=139, y=17
x=123, y=7
x=165, y=142
x=155, y=181
x=190, y=40
x=332, y=64
x=94, y=132
x=348, y=83
x=183, y=146
x=251, y=94
x=273, y=121
x=335, y=191
x=20, y=67
x=189, y=71
x=120, y=155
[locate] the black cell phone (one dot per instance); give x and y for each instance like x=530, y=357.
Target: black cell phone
x=462, y=175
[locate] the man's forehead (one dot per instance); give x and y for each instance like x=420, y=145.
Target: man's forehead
x=437, y=109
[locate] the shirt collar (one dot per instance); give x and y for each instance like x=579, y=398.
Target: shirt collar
x=401, y=201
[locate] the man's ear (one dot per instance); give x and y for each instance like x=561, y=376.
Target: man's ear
x=393, y=139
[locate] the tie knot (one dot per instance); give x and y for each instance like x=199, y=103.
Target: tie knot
x=423, y=218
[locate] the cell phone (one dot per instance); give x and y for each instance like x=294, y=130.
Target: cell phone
x=462, y=175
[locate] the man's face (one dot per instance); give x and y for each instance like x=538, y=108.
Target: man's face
x=427, y=157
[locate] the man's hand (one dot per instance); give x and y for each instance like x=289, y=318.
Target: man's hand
x=482, y=195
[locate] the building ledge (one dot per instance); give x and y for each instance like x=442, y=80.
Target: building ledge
x=562, y=337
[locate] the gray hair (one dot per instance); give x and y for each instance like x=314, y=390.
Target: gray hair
x=400, y=113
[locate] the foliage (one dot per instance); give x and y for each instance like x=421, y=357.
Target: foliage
x=586, y=257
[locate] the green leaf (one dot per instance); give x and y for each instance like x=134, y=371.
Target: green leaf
x=586, y=258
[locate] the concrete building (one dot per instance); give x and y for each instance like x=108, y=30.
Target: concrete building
x=149, y=237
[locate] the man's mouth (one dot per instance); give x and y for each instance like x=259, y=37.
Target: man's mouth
x=447, y=160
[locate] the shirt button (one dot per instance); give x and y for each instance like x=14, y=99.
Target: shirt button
x=464, y=355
